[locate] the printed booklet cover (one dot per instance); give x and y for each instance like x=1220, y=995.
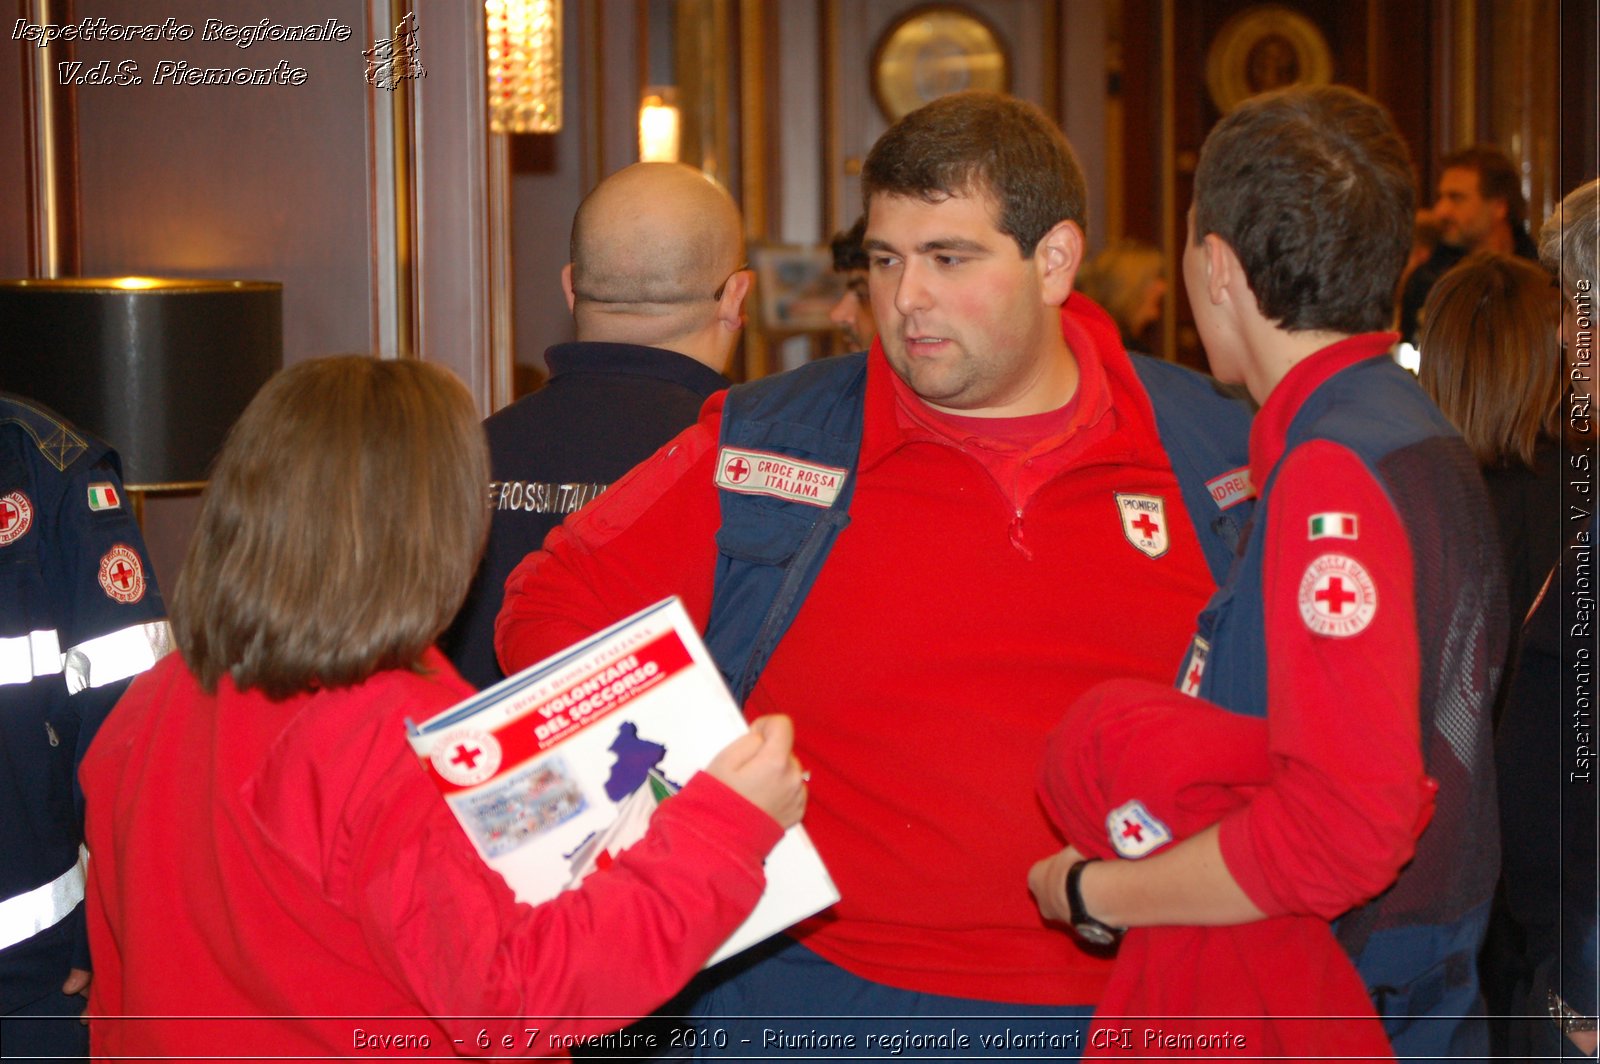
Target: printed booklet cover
x=556, y=770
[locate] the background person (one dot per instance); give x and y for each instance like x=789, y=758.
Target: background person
x=656, y=289
x=1129, y=281
x=269, y=855
x=853, y=312
x=1547, y=781
x=1492, y=361
x=80, y=615
x=1480, y=207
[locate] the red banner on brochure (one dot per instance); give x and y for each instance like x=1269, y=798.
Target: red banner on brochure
x=587, y=700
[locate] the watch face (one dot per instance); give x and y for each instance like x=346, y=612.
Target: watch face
x=1097, y=934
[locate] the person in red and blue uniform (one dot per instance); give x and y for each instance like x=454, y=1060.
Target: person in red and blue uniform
x=1017, y=532
x=80, y=615
x=1365, y=615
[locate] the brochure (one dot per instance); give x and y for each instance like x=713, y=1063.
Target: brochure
x=555, y=771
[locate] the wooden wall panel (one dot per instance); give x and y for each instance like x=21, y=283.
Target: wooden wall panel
x=1383, y=49
x=1578, y=46
x=268, y=182
x=452, y=190
x=14, y=156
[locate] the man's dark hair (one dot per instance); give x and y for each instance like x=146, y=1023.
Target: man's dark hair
x=848, y=254
x=983, y=143
x=1497, y=178
x=1313, y=190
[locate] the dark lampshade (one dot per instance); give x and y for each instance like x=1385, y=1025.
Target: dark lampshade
x=158, y=368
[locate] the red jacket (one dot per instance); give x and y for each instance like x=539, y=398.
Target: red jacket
x=1136, y=766
x=956, y=618
x=290, y=861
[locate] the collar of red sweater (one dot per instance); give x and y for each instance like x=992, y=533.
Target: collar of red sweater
x=1269, y=434
x=1108, y=391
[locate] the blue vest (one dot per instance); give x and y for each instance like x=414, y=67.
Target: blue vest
x=770, y=550
x=1415, y=945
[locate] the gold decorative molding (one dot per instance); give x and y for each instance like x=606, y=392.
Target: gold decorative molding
x=51, y=131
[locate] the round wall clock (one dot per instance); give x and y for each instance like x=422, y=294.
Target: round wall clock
x=933, y=51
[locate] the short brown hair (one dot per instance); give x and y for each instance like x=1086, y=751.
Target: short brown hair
x=340, y=528
x=983, y=144
x=1313, y=190
x=1491, y=357
x=1497, y=178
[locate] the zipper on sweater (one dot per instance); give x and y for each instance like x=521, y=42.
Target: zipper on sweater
x=1015, y=533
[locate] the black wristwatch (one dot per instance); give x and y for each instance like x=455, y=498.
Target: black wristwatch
x=1085, y=926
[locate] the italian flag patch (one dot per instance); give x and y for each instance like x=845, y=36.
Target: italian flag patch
x=1333, y=526
x=103, y=496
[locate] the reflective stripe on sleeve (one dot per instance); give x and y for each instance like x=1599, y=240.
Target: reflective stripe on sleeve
x=24, y=657
x=44, y=907
x=116, y=655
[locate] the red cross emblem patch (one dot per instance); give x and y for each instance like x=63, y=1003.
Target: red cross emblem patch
x=1337, y=596
x=122, y=574
x=1144, y=522
x=16, y=517
x=466, y=757
x=1135, y=831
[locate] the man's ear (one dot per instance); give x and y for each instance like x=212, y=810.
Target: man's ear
x=566, y=286
x=1223, y=269
x=1058, y=255
x=730, y=309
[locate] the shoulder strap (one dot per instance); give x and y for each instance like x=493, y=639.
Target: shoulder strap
x=1206, y=434
x=58, y=442
x=770, y=548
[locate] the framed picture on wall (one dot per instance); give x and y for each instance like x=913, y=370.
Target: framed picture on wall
x=796, y=287
x=1263, y=48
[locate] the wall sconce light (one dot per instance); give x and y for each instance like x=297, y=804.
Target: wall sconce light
x=659, y=126
x=524, y=38
x=158, y=368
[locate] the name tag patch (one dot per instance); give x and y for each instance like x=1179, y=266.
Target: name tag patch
x=1194, y=670
x=778, y=475
x=1231, y=488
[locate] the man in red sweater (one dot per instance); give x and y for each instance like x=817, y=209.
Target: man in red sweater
x=1016, y=534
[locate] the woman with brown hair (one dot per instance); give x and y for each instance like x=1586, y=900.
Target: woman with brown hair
x=1491, y=359
x=266, y=845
